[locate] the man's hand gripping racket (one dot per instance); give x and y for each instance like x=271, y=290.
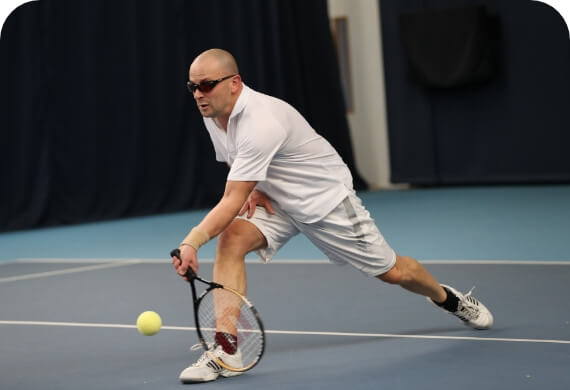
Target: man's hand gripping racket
x=226, y=318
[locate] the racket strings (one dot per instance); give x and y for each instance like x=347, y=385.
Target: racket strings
x=224, y=312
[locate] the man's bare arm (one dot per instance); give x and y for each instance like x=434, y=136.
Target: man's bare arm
x=235, y=195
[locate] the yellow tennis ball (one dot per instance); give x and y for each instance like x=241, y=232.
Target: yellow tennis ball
x=149, y=323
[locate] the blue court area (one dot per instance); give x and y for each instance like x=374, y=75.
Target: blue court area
x=70, y=296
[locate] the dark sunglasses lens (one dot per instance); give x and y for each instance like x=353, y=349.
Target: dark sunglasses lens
x=207, y=86
x=204, y=86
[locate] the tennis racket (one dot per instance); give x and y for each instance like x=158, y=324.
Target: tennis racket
x=225, y=317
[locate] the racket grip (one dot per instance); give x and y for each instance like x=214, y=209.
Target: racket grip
x=190, y=274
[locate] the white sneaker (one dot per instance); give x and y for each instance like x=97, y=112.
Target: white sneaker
x=206, y=369
x=470, y=310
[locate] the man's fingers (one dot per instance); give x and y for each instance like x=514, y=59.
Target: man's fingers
x=243, y=208
x=176, y=263
x=251, y=212
x=269, y=208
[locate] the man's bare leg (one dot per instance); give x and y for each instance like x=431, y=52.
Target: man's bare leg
x=413, y=276
x=239, y=238
x=234, y=243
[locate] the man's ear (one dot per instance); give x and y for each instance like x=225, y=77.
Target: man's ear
x=236, y=83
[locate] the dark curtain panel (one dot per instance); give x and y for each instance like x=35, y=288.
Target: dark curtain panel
x=24, y=146
x=510, y=126
x=96, y=121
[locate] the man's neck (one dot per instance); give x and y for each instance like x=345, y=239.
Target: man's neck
x=222, y=123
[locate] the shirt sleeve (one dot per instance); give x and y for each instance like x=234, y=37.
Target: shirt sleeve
x=255, y=151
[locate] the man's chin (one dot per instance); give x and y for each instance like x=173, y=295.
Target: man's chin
x=206, y=113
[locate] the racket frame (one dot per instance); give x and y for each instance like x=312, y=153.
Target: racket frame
x=196, y=300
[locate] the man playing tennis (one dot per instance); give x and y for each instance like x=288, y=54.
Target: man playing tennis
x=285, y=179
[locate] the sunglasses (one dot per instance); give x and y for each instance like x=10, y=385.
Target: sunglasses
x=205, y=86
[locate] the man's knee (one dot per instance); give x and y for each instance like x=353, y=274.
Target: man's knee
x=240, y=237
x=393, y=276
x=400, y=273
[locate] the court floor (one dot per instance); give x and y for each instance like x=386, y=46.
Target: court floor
x=71, y=325
x=67, y=315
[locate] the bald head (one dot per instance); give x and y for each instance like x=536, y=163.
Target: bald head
x=217, y=59
x=217, y=71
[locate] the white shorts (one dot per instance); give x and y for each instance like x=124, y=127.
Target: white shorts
x=346, y=235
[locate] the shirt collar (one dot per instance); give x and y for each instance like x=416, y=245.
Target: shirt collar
x=241, y=101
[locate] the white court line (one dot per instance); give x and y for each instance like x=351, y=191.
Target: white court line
x=67, y=271
x=299, y=333
x=112, y=263
x=83, y=260
x=496, y=262
x=286, y=261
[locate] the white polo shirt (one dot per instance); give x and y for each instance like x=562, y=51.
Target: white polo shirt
x=268, y=141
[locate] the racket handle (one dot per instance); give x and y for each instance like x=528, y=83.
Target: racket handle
x=190, y=274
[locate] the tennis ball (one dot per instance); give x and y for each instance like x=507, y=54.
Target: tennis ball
x=149, y=323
